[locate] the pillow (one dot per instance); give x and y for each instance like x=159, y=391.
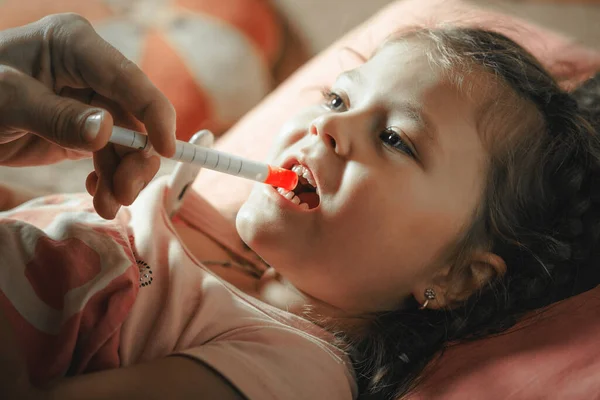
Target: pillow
x=552, y=354
x=253, y=135
x=191, y=49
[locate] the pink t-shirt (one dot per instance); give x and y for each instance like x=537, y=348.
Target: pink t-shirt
x=177, y=305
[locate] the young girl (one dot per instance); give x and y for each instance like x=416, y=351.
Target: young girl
x=447, y=187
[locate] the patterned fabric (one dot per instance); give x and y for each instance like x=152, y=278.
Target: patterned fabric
x=85, y=294
x=68, y=280
x=212, y=58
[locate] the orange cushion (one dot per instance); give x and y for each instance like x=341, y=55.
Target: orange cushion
x=212, y=58
x=555, y=355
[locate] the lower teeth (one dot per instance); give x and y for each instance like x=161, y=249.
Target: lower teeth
x=293, y=198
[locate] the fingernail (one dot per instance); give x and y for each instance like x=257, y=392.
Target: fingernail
x=92, y=126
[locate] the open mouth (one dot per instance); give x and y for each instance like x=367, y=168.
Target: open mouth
x=306, y=194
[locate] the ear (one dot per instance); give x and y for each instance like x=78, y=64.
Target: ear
x=453, y=286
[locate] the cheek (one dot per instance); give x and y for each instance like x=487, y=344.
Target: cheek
x=454, y=194
x=414, y=219
x=295, y=129
x=255, y=217
x=432, y=226
x=415, y=238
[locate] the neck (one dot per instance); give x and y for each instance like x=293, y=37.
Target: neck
x=268, y=286
x=275, y=290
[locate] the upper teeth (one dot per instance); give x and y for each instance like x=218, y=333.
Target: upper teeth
x=302, y=171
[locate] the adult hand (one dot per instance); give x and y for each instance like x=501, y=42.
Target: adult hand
x=58, y=78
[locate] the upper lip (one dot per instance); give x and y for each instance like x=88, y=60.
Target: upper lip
x=293, y=160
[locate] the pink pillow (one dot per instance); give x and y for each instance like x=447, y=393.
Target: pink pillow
x=253, y=135
x=549, y=355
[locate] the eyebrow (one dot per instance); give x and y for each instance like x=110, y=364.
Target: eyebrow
x=416, y=114
x=353, y=75
x=412, y=110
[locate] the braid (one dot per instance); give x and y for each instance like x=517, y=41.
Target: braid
x=541, y=214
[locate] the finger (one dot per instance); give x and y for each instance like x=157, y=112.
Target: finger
x=105, y=164
x=112, y=75
x=120, y=116
x=132, y=175
x=29, y=105
x=91, y=182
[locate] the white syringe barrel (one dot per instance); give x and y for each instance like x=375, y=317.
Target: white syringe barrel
x=219, y=161
x=128, y=138
x=191, y=153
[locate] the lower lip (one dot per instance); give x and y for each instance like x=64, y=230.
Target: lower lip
x=285, y=203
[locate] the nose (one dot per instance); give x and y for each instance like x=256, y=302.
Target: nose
x=318, y=129
x=336, y=131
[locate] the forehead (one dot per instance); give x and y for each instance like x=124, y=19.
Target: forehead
x=400, y=66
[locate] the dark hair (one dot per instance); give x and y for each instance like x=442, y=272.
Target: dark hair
x=538, y=211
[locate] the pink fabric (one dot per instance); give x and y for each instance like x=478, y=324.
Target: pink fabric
x=86, y=294
x=265, y=352
x=65, y=288
x=254, y=134
x=550, y=355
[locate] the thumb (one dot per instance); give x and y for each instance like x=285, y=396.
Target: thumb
x=33, y=107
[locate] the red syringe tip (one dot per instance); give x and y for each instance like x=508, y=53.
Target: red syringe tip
x=283, y=178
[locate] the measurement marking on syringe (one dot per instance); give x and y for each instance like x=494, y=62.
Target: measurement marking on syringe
x=254, y=170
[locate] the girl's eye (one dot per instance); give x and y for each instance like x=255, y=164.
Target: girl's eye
x=333, y=101
x=395, y=141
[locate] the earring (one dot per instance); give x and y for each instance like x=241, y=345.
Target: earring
x=429, y=295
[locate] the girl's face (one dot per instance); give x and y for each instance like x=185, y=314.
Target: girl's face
x=400, y=169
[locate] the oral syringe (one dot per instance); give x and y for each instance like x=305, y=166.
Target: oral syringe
x=212, y=159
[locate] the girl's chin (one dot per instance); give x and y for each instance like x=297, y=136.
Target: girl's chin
x=259, y=221
x=268, y=219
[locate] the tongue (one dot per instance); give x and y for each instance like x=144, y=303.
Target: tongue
x=310, y=198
